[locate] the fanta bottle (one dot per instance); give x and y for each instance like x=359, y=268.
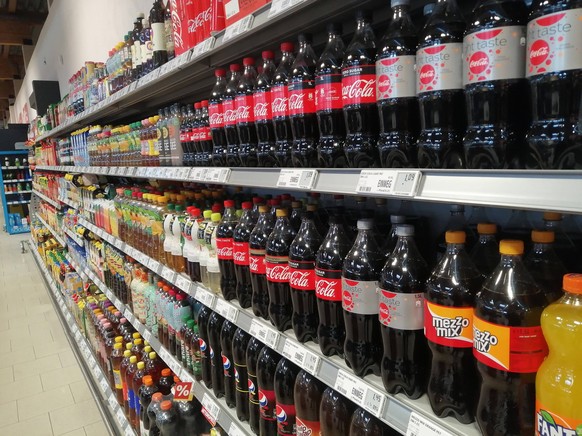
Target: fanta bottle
x=559, y=379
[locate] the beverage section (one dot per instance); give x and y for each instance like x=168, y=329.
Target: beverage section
x=278, y=243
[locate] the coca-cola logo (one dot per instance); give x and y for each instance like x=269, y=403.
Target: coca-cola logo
x=384, y=312
x=279, y=105
x=278, y=273
x=539, y=52
x=199, y=21
x=261, y=109
x=176, y=26
x=192, y=25
x=348, y=301
x=299, y=279
x=296, y=102
x=239, y=256
x=254, y=263
x=243, y=113
x=224, y=252
x=215, y=118
x=478, y=62
x=383, y=83
x=326, y=289
x=230, y=116
x=427, y=74
x=360, y=88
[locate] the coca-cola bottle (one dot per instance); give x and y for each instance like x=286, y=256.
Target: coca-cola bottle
x=554, y=71
x=439, y=88
x=277, y=263
x=302, y=105
x=195, y=134
x=258, y=268
x=307, y=392
x=280, y=106
x=495, y=86
x=229, y=111
x=205, y=135
x=263, y=112
x=302, y=254
x=252, y=356
x=241, y=236
x=224, y=250
x=396, y=90
x=285, y=376
x=359, y=95
x=335, y=413
x=240, y=343
x=328, y=101
x=185, y=135
x=360, y=274
x=226, y=337
x=216, y=119
x=245, y=116
x=266, y=367
x=329, y=260
x=217, y=367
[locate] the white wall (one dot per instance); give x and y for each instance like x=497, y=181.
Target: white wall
x=75, y=31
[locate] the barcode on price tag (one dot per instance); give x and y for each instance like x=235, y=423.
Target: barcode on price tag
x=128, y=431
x=350, y=386
x=420, y=426
x=183, y=283
x=278, y=6
x=198, y=174
x=227, y=310
x=129, y=316
x=185, y=376
x=265, y=334
x=154, y=265
x=165, y=355
x=390, y=182
x=302, y=179
x=203, y=47
x=211, y=408
x=205, y=297
x=301, y=356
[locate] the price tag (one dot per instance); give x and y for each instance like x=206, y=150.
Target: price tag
x=183, y=391
x=120, y=416
x=234, y=430
x=69, y=317
x=183, y=283
x=238, y=28
x=227, y=310
x=292, y=178
x=183, y=59
x=129, y=316
x=205, y=297
x=164, y=68
x=211, y=408
x=168, y=274
x=185, y=376
x=204, y=47
x=104, y=385
x=350, y=386
x=154, y=265
x=391, y=182
x=198, y=174
x=128, y=431
x=279, y=6
x=374, y=401
x=217, y=175
x=147, y=335
x=421, y=426
x=301, y=356
x=112, y=401
x=265, y=334
x=174, y=365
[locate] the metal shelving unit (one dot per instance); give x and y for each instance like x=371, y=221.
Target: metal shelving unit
x=13, y=217
x=47, y=199
x=58, y=237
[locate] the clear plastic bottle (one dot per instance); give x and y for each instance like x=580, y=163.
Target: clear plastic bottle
x=485, y=253
x=212, y=267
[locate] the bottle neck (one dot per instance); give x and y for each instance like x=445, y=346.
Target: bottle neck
x=407, y=244
x=455, y=248
x=399, y=12
x=541, y=247
x=510, y=260
x=485, y=238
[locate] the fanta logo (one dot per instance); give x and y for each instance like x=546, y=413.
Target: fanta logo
x=479, y=62
x=547, y=426
x=539, y=52
x=427, y=74
x=281, y=415
x=360, y=88
x=483, y=340
x=450, y=327
x=326, y=289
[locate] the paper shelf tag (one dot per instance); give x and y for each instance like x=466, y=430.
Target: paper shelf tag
x=389, y=182
x=293, y=178
x=420, y=426
x=205, y=297
x=265, y=334
x=226, y=310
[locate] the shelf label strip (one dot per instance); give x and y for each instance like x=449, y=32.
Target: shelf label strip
x=292, y=178
x=389, y=182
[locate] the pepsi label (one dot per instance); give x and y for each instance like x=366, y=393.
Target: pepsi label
x=241, y=378
x=267, y=404
x=286, y=419
x=228, y=366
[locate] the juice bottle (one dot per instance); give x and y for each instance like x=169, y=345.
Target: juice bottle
x=558, y=382
x=116, y=358
x=129, y=372
x=508, y=344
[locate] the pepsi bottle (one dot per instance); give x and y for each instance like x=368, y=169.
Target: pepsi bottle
x=240, y=343
x=205, y=355
x=266, y=367
x=285, y=376
x=215, y=323
x=254, y=348
x=226, y=337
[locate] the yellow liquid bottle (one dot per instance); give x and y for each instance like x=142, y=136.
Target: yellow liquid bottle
x=559, y=379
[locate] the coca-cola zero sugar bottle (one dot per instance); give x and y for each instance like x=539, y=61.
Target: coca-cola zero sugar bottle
x=263, y=112
x=245, y=117
x=216, y=119
x=280, y=106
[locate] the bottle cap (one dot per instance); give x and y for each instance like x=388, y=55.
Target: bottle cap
x=140, y=365
x=234, y=67
x=258, y=200
x=247, y=205
x=304, y=37
x=311, y=208
x=287, y=46
x=118, y=346
x=153, y=355
x=263, y=209
x=128, y=346
x=133, y=359
x=147, y=380
x=248, y=61
x=268, y=54
x=127, y=353
x=397, y=219
x=552, y=216
x=363, y=14
x=281, y=213
x=157, y=397
x=207, y=214
x=296, y=204
x=542, y=236
x=511, y=247
x=118, y=339
x=333, y=28
x=405, y=230
x=455, y=237
x=215, y=217
x=197, y=105
x=365, y=224
x=428, y=8
x=138, y=341
x=136, y=335
x=486, y=228
x=573, y=283
x=457, y=208
x=166, y=372
x=220, y=72
x=395, y=3
x=166, y=405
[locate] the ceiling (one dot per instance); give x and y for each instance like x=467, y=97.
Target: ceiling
x=20, y=24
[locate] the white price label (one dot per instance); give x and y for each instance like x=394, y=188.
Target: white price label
x=301, y=356
x=227, y=310
x=198, y=174
x=185, y=376
x=350, y=386
x=128, y=431
x=165, y=355
x=183, y=59
x=104, y=385
x=374, y=401
x=234, y=430
x=168, y=274
x=421, y=426
x=112, y=401
x=390, y=182
x=147, y=335
x=217, y=175
x=211, y=407
x=204, y=47
x=205, y=297
x=292, y=178
x=129, y=316
x=183, y=283
x=69, y=317
x=265, y=334
x=174, y=365
x=278, y=6
x=238, y=28
x=154, y=265
x=120, y=416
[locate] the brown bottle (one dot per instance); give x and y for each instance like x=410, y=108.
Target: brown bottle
x=335, y=414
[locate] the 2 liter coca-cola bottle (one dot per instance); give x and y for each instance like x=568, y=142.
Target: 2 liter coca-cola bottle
x=224, y=250
x=247, y=133
x=229, y=115
x=280, y=106
x=263, y=112
x=216, y=119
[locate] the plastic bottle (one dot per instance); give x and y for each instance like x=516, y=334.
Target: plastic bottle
x=241, y=236
x=216, y=119
x=266, y=367
x=359, y=95
x=257, y=265
x=135, y=412
x=563, y=245
x=448, y=316
x=226, y=337
x=363, y=423
x=360, y=274
x=396, y=90
x=335, y=413
x=485, y=253
x=215, y=323
x=166, y=381
x=508, y=344
x=307, y=393
x=168, y=420
x=128, y=376
x=254, y=348
x=145, y=393
x=245, y=116
x=457, y=221
x=406, y=358
x=440, y=88
x=224, y=250
x=558, y=389
x=263, y=112
x=554, y=68
x=203, y=254
x=229, y=114
x=213, y=271
x=280, y=106
x=204, y=158
x=240, y=343
x=116, y=358
x=285, y=376
x=205, y=363
x=495, y=86
x=152, y=411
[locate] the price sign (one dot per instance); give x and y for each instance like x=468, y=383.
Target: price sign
x=350, y=386
x=204, y=47
x=112, y=401
x=154, y=265
x=227, y=310
x=292, y=178
x=211, y=408
x=390, y=182
x=183, y=391
x=294, y=352
x=234, y=430
x=238, y=28
x=265, y=334
x=205, y=297
x=217, y=175
x=421, y=426
x=374, y=401
x=147, y=335
x=104, y=385
x=183, y=283
x=279, y=6
x=168, y=274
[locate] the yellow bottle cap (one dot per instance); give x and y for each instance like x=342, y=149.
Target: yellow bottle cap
x=511, y=247
x=153, y=355
x=133, y=359
x=215, y=217
x=126, y=353
x=128, y=346
x=542, y=236
x=207, y=214
x=552, y=216
x=118, y=339
x=117, y=346
x=140, y=365
x=455, y=237
x=486, y=228
x=573, y=283
x=281, y=213
x=138, y=341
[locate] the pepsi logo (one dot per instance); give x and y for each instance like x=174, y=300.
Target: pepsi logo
x=202, y=344
x=225, y=362
x=427, y=74
x=281, y=415
x=478, y=62
x=236, y=376
x=211, y=353
x=263, y=400
x=539, y=52
x=252, y=388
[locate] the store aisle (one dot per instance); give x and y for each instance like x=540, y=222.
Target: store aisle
x=43, y=389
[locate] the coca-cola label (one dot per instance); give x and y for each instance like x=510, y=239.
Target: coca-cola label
x=302, y=275
x=257, y=263
x=439, y=67
x=359, y=296
x=395, y=77
x=184, y=136
x=359, y=85
x=301, y=97
x=204, y=134
x=554, y=43
x=262, y=106
x=494, y=54
x=328, y=284
x=277, y=268
x=224, y=248
x=279, y=95
x=328, y=92
x=215, y=115
x=195, y=134
x=229, y=112
x=240, y=253
x=401, y=311
x=244, y=109
x=307, y=428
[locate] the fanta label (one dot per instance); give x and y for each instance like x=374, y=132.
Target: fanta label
x=550, y=424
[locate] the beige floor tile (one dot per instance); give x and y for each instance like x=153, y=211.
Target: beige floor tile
x=6, y=375
x=78, y=432
x=74, y=417
x=21, y=389
x=4, y=325
x=80, y=391
x=96, y=429
x=44, y=402
x=37, y=426
x=50, y=348
x=40, y=309
x=37, y=366
x=60, y=377
x=25, y=321
x=42, y=338
x=67, y=358
x=16, y=357
x=8, y=414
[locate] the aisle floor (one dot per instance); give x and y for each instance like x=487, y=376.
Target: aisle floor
x=43, y=389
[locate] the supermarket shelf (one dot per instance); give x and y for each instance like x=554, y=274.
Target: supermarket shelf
x=58, y=237
x=15, y=168
x=516, y=189
x=47, y=199
x=18, y=192
x=112, y=412
x=74, y=236
x=19, y=230
x=396, y=411
x=69, y=203
x=17, y=181
x=18, y=202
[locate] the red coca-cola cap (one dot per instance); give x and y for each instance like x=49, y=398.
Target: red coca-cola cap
x=195, y=211
x=234, y=67
x=268, y=54
x=287, y=46
x=274, y=202
x=248, y=61
x=197, y=105
x=216, y=208
x=204, y=103
x=247, y=205
x=258, y=200
x=220, y=72
x=228, y=203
